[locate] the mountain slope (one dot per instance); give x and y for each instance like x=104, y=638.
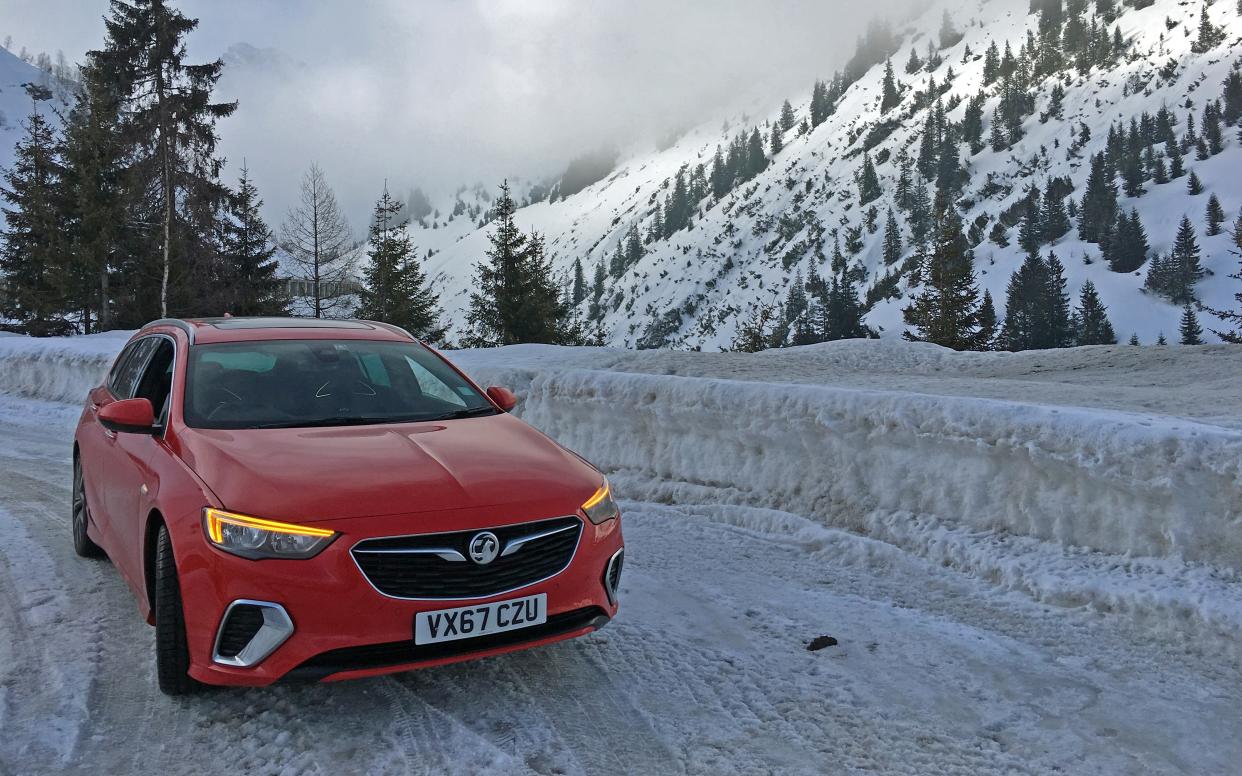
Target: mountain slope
x=15, y=103
x=692, y=289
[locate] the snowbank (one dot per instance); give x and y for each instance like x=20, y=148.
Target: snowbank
x=60, y=369
x=1111, y=481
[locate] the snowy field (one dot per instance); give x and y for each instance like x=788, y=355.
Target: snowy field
x=1031, y=563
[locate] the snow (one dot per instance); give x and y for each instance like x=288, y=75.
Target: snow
x=1017, y=584
x=688, y=272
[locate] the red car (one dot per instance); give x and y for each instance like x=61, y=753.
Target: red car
x=322, y=500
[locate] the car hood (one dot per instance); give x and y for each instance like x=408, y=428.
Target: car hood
x=312, y=474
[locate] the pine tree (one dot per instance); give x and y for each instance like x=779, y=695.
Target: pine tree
x=1192, y=333
x=1193, y=186
x=776, y=143
x=248, y=256
x=1092, y=326
x=787, y=119
x=1061, y=328
x=868, y=182
x=891, y=97
x=168, y=121
x=795, y=300
x=516, y=300
x=634, y=250
x=987, y=323
x=820, y=107
x=1160, y=340
x=1176, y=277
x=394, y=288
x=1215, y=216
x=316, y=239
x=1031, y=231
x=95, y=199
x=1134, y=340
x=946, y=311
x=579, y=289
x=32, y=254
x=892, y=240
x=756, y=160
x=1099, y=203
x=991, y=64
x=753, y=335
x=1127, y=248
x=1054, y=221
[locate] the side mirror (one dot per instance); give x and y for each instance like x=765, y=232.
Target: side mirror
x=503, y=397
x=132, y=416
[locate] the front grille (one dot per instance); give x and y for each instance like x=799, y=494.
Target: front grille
x=243, y=623
x=397, y=653
x=409, y=566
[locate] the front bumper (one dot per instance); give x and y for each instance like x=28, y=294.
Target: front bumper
x=343, y=628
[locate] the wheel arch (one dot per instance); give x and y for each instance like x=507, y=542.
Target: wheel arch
x=155, y=519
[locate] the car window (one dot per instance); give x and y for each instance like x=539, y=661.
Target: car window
x=300, y=383
x=155, y=384
x=130, y=366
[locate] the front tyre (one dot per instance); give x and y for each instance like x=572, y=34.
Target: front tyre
x=172, y=656
x=82, y=543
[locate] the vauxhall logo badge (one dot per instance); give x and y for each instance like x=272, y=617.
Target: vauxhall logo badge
x=484, y=547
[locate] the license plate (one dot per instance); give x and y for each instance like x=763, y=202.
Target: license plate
x=468, y=622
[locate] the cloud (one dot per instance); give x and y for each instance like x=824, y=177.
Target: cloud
x=438, y=93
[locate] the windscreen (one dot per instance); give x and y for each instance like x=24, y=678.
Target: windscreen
x=304, y=383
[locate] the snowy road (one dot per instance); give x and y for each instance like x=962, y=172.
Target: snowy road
x=705, y=671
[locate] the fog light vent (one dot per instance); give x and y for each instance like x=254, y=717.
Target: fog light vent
x=612, y=576
x=250, y=631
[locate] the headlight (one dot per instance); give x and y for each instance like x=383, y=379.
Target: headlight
x=600, y=507
x=254, y=538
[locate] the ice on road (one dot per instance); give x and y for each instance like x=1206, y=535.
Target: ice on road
x=706, y=670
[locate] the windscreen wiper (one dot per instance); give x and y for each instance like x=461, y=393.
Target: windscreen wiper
x=342, y=420
x=472, y=412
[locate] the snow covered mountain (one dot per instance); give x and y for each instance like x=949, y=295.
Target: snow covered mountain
x=744, y=249
x=15, y=102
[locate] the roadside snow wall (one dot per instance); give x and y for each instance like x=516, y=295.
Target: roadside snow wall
x=62, y=369
x=1110, y=481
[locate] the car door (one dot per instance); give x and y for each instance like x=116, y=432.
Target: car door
x=132, y=490
x=101, y=461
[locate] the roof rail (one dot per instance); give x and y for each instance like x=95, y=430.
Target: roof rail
x=178, y=323
x=391, y=327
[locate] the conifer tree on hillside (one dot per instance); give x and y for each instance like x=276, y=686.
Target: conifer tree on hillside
x=248, y=256
x=316, y=239
x=516, y=299
x=890, y=98
x=787, y=119
x=32, y=252
x=946, y=312
x=1215, y=216
x=1175, y=276
x=168, y=123
x=1054, y=221
x=868, y=182
x=1037, y=307
x=1193, y=185
x=821, y=107
x=1091, y=324
x=1126, y=248
x=578, y=292
x=1190, y=330
x=892, y=240
x=987, y=323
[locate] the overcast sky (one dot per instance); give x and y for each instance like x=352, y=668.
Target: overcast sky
x=442, y=92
